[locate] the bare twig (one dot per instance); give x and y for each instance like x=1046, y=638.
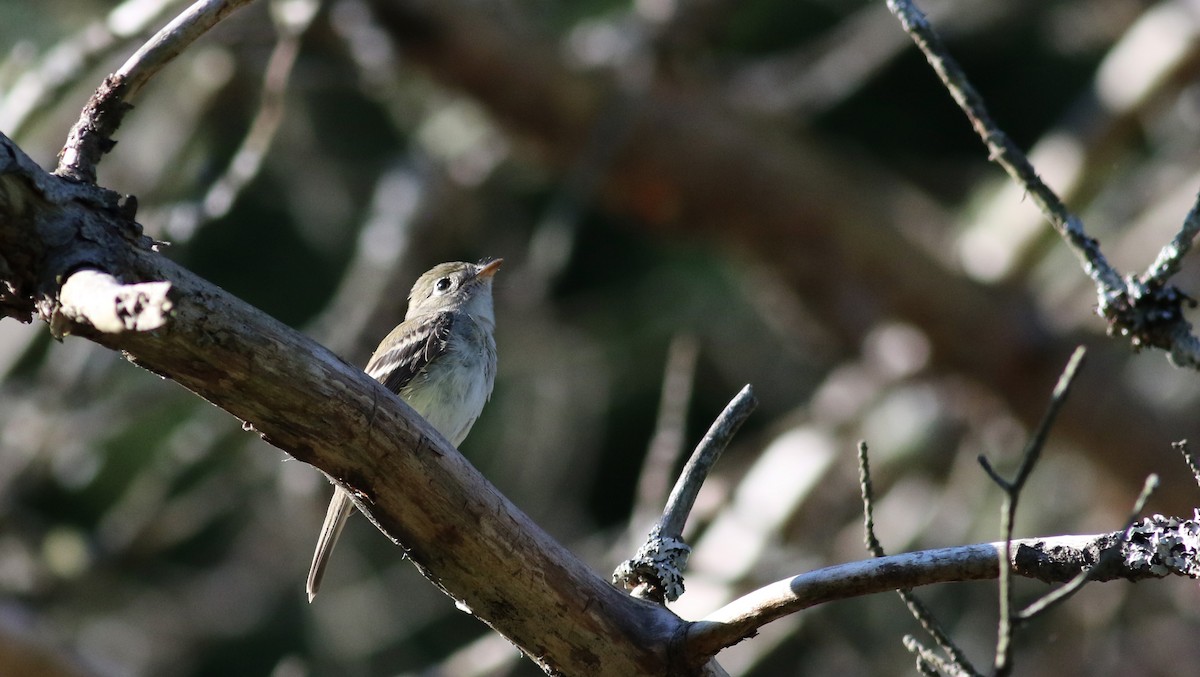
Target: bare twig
x=1143, y=309
x=91, y=136
x=1033, y=448
x=683, y=496
x=175, y=37
x=916, y=607
x=928, y=662
x=1002, y=150
x=1170, y=257
x=656, y=569
x=1012, y=495
x=1182, y=447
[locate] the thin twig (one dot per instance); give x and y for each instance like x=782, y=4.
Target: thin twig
x=1058, y=397
x=1182, y=447
x=867, y=491
x=1143, y=309
x=928, y=662
x=175, y=37
x=656, y=569
x=1003, y=151
x=1170, y=257
x=683, y=496
x=923, y=615
x=1012, y=495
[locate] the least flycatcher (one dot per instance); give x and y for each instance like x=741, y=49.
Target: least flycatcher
x=441, y=360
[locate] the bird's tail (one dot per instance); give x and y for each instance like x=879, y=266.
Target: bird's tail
x=340, y=507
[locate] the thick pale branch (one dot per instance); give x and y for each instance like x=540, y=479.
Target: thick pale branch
x=460, y=531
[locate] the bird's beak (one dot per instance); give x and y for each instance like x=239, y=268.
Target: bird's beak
x=489, y=269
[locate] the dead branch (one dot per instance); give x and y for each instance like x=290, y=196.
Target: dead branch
x=462, y=534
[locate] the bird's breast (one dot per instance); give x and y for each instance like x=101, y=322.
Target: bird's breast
x=453, y=388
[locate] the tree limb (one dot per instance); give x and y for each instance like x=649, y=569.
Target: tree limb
x=462, y=534
x=1056, y=559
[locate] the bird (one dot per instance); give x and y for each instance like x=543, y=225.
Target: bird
x=441, y=360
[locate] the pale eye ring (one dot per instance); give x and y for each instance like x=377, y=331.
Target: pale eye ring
x=442, y=285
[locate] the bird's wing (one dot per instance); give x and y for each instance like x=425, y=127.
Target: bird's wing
x=415, y=346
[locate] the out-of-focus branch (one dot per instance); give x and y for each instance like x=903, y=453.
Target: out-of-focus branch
x=816, y=77
x=66, y=62
x=667, y=444
x=292, y=19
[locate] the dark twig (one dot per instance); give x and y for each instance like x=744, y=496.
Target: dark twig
x=1033, y=448
x=1182, y=447
x=1144, y=309
x=915, y=606
x=656, y=570
x=1012, y=495
x=1002, y=150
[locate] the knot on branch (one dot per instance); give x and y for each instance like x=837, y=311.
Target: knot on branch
x=1162, y=546
x=1148, y=312
x=656, y=569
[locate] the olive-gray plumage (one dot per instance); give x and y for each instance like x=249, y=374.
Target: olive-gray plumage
x=441, y=360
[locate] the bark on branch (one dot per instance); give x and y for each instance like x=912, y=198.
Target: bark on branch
x=463, y=535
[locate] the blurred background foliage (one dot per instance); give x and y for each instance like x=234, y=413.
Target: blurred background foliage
x=313, y=158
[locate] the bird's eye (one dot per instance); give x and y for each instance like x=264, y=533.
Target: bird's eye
x=442, y=285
